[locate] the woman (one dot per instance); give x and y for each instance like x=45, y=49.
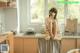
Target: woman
x=52, y=30
x=50, y=45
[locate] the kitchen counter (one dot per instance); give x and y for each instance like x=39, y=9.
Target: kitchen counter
x=38, y=36
x=70, y=36
x=44, y=35
x=31, y=36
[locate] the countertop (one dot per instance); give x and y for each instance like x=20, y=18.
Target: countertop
x=61, y=36
x=44, y=35
x=31, y=36
x=70, y=36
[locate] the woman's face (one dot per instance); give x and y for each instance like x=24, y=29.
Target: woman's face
x=53, y=14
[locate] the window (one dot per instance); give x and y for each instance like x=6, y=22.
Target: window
x=61, y=11
x=39, y=7
x=59, y=6
x=37, y=10
x=74, y=9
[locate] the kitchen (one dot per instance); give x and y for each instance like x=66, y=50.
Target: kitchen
x=27, y=19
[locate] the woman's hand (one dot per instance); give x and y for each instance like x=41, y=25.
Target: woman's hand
x=52, y=36
x=47, y=37
x=57, y=37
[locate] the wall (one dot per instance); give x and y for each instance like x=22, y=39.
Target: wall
x=10, y=19
x=2, y=25
x=23, y=14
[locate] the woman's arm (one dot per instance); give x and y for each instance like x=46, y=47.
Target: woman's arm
x=53, y=29
x=47, y=29
x=47, y=26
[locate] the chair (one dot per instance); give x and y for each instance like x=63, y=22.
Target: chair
x=7, y=43
x=74, y=51
x=10, y=41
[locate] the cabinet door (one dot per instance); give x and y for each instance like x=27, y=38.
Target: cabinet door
x=30, y=45
x=78, y=43
x=67, y=44
x=3, y=4
x=18, y=45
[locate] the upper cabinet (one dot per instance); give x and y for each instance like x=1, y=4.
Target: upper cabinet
x=3, y=4
x=3, y=0
x=12, y=3
x=7, y=3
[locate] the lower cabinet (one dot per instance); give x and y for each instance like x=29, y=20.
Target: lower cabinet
x=67, y=44
x=3, y=4
x=30, y=45
x=25, y=45
x=18, y=45
x=78, y=43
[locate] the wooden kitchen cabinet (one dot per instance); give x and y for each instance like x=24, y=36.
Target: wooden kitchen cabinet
x=30, y=45
x=67, y=44
x=25, y=45
x=3, y=4
x=3, y=0
x=8, y=4
x=78, y=43
x=18, y=45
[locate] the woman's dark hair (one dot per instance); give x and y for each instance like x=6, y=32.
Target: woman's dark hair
x=53, y=10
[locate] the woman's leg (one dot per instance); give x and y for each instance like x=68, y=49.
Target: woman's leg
x=51, y=46
x=56, y=47
x=47, y=46
x=42, y=45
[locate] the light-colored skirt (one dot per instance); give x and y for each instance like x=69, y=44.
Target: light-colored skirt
x=48, y=46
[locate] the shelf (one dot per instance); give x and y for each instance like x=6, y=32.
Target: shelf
x=3, y=4
x=8, y=4
x=3, y=0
